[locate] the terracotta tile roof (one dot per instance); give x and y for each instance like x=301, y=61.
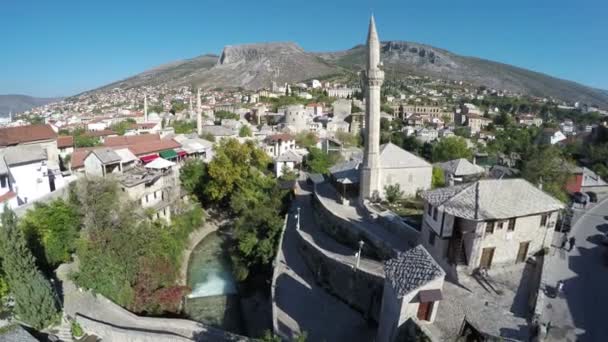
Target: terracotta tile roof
x=65, y=141
x=102, y=133
x=128, y=140
x=154, y=146
x=77, y=159
x=24, y=134
x=7, y=196
x=281, y=137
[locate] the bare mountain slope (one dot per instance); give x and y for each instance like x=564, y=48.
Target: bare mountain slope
x=255, y=66
x=412, y=58
x=21, y=103
x=249, y=66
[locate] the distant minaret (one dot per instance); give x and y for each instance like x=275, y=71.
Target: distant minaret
x=145, y=108
x=191, y=112
x=372, y=79
x=199, y=112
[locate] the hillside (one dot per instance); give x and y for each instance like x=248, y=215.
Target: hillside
x=255, y=66
x=402, y=58
x=21, y=103
x=249, y=66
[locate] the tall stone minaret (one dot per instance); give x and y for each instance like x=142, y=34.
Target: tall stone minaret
x=199, y=112
x=145, y=108
x=373, y=77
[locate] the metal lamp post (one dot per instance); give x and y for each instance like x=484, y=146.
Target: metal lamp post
x=298, y=222
x=361, y=243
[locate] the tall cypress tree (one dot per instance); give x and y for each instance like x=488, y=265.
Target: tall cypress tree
x=35, y=302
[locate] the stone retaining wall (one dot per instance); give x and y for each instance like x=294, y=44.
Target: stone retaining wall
x=275, y=275
x=359, y=289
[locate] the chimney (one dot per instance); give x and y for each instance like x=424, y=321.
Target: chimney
x=450, y=180
x=540, y=183
x=145, y=108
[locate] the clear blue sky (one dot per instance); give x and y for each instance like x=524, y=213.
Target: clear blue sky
x=62, y=47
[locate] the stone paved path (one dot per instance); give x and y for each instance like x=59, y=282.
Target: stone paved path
x=301, y=304
x=581, y=312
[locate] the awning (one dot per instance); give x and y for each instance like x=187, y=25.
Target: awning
x=427, y=296
x=160, y=163
x=168, y=154
x=148, y=158
x=182, y=153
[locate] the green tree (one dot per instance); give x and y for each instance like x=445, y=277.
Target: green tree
x=86, y=141
x=129, y=259
x=348, y=139
x=451, y=148
x=52, y=230
x=257, y=231
x=438, y=179
x=35, y=302
x=232, y=166
x=393, y=192
x=306, y=139
x=222, y=114
x=318, y=161
x=549, y=167
x=245, y=131
x=183, y=127
x=192, y=176
x=121, y=127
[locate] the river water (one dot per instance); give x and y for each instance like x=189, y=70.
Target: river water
x=214, y=298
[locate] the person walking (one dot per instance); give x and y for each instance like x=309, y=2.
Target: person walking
x=572, y=242
x=564, y=241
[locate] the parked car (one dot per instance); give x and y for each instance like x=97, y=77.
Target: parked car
x=592, y=196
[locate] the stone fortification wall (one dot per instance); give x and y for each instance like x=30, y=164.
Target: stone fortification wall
x=359, y=289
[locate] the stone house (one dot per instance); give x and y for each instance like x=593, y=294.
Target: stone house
x=460, y=171
x=277, y=144
x=412, y=291
x=486, y=223
x=155, y=187
x=477, y=123
x=101, y=162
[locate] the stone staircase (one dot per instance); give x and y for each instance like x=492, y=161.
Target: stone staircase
x=64, y=332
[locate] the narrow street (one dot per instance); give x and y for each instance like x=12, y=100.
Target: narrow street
x=580, y=313
x=301, y=304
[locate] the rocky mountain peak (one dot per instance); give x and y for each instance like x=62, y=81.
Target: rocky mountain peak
x=257, y=52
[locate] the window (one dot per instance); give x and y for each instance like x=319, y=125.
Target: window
x=3, y=181
x=435, y=211
x=431, y=238
x=544, y=219
x=430, y=209
x=500, y=225
x=490, y=227
x=511, y=225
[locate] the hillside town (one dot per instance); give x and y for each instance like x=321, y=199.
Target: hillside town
x=367, y=209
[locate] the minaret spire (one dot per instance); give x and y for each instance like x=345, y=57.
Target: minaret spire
x=373, y=45
x=199, y=112
x=145, y=108
x=373, y=77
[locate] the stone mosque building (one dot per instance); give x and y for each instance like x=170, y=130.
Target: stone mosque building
x=386, y=164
